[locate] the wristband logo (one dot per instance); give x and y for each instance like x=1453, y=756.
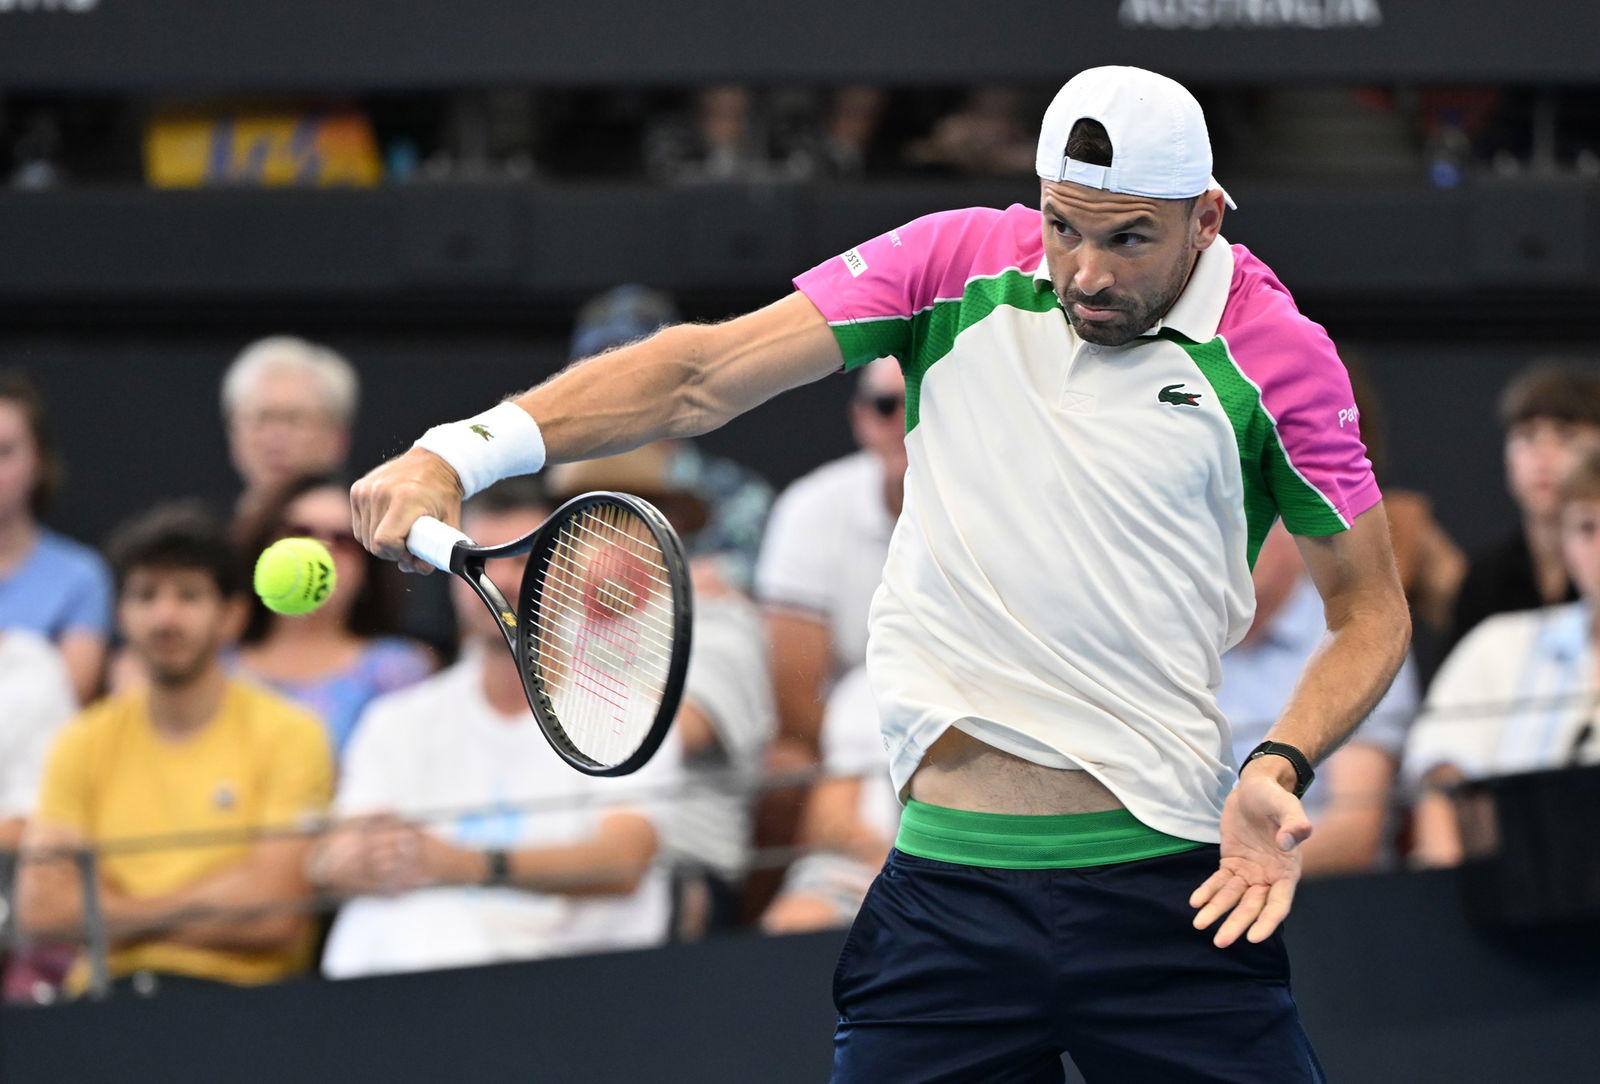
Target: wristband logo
x=482, y=431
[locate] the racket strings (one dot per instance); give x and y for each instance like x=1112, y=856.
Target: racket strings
x=603, y=640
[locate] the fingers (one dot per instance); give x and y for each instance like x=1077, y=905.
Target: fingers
x=1279, y=899
x=388, y=501
x=1253, y=909
x=1209, y=887
x=1223, y=898
x=1245, y=913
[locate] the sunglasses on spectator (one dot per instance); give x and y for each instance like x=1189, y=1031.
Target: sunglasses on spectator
x=886, y=406
x=333, y=539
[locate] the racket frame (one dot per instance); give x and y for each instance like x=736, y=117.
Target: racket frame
x=519, y=624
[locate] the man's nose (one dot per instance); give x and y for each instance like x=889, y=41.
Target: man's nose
x=1093, y=273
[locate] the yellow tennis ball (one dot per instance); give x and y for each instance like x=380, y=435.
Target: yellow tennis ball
x=294, y=575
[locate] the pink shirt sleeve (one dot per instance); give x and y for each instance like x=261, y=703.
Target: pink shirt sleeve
x=872, y=293
x=1317, y=468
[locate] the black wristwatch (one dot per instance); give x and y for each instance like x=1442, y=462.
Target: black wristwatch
x=1303, y=774
x=499, y=869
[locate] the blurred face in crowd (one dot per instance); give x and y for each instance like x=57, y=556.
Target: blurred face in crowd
x=19, y=460
x=1580, y=544
x=1539, y=452
x=324, y=514
x=283, y=428
x=878, y=415
x=1119, y=262
x=176, y=621
x=491, y=528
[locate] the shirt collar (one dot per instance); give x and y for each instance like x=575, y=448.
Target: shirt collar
x=1198, y=310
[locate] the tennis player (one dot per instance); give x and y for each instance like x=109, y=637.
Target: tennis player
x=1107, y=407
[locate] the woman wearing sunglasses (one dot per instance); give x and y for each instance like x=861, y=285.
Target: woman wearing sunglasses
x=336, y=659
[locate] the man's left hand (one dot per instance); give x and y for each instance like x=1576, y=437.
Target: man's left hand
x=1263, y=824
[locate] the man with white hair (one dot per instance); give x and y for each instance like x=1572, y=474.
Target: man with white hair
x=289, y=405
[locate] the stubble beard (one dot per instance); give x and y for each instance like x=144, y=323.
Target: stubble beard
x=1135, y=316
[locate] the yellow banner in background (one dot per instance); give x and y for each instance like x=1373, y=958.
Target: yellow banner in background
x=269, y=148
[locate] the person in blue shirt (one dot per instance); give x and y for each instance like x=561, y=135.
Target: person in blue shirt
x=1350, y=804
x=337, y=659
x=50, y=584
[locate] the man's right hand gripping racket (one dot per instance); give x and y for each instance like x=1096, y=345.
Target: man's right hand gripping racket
x=600, y=630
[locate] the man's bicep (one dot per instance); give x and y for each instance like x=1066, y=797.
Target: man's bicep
x=1354, y=568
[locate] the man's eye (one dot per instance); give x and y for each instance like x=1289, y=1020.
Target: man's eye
x=1061, y=228
x=1131, y=238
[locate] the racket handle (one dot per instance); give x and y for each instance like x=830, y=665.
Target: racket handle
x=434, y=540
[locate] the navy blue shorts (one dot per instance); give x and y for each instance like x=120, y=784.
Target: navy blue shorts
x=970, y=973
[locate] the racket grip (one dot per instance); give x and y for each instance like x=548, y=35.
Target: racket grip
x=434, y=540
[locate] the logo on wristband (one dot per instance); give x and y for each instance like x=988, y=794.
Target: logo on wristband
x=482, y=431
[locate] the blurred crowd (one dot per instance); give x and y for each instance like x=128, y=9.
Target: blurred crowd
x=196, y=790
x=744, y=132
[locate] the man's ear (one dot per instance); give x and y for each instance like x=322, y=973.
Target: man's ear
x=1205, y=221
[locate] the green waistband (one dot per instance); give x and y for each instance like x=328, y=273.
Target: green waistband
x=1008, y=841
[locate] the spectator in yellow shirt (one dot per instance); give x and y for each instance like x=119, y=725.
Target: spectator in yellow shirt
x=192, y=753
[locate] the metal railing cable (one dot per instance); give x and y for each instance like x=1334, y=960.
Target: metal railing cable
x=97, y=934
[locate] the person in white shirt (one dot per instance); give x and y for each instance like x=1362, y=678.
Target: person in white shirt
x=821, y=563
x=1519, y=693
x=465, y=839
x=36, y=697
x=822, y=560
x=725, y=721
x=849, y=820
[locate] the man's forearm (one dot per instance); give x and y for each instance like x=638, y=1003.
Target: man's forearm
x=611, y=863
x=622, y=399
x=49, y=898
x=1344, y=681
x=251, y=905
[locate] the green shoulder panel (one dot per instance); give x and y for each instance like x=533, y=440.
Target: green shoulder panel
x=935, y=329
x=1272, y=486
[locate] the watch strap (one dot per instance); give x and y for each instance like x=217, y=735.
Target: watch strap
x=1302, y=764
x=499, y=868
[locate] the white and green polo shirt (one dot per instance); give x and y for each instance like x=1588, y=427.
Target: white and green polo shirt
x=1074, y=552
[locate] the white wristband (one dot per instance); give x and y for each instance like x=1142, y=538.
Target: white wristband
x=499, y=443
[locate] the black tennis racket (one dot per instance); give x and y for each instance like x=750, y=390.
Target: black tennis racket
x=600, y=629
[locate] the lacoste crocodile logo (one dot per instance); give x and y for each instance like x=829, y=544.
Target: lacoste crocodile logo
x=1172, y=394
x=483, y=431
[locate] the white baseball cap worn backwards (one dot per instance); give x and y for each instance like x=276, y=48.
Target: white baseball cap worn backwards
x=1159, y=144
